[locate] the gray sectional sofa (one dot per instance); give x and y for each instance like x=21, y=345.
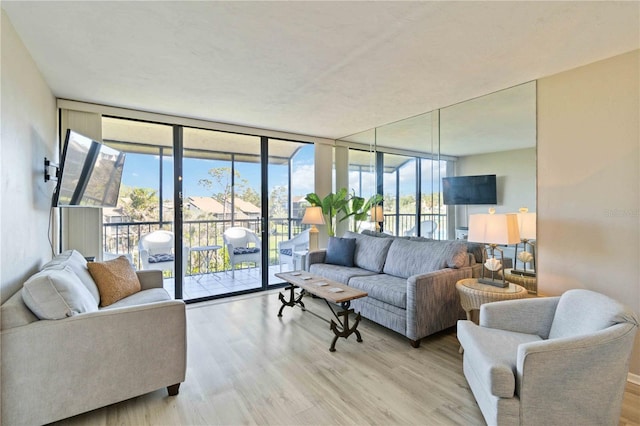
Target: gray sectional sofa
x=411, y=282
x=63, y=354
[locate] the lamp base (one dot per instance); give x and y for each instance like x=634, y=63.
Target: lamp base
x=495, y=283
x=523, y=273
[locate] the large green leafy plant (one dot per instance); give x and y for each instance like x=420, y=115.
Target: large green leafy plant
x=331, y=205
x=358, y=207
x=342, y=202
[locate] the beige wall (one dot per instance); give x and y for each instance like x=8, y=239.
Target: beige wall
x=28, y=135
x=515, y=175
x=589, y=182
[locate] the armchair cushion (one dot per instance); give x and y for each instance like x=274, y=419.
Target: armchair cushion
x=245, y=250
x=158, y=258
x=116, y=279
x=286, y=252
x=495, y=355
x=340, y=251
x=57, y=293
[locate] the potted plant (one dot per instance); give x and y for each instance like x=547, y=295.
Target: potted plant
x=331, y=205
x=359, y=208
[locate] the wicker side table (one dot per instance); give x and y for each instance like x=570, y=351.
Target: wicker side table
x=473, y=294
x=522, y=280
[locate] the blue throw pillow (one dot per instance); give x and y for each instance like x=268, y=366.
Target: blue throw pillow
x=340, y=251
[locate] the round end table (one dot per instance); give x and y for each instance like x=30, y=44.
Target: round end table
x=473, y=294
x=522, y=280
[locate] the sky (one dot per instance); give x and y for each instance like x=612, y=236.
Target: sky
x=143, y=170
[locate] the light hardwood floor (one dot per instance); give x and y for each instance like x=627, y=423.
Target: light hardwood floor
x=247, y=366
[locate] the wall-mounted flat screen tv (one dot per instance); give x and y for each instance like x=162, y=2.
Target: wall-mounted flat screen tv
x=90, y=173
x=469, y=190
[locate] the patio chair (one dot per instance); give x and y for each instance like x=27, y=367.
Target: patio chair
x=287, y=248
x=427, y=228
x=243, y=245
x=157, y=251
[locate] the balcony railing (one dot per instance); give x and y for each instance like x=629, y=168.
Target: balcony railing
x=407, y=222
x=123, y=238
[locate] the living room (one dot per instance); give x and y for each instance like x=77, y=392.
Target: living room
x=588, y=233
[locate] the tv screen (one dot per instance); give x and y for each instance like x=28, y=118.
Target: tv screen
x=469, y=190
x=90, y=173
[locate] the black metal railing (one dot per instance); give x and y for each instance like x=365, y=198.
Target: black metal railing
x=123, y=238
x=407, y=224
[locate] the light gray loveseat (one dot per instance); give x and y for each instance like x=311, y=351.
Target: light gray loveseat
x=57, y=368
x=411, y=283
x=550, y=361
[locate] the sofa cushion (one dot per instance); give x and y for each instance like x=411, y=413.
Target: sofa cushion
x=57, y=293
x=370, y=252
x=340, y=251
x=78, y=264
x=492, y=354
x=116, y=279
x=338, y=273
x=407, y=258
x=141, y=298
x=386, y=288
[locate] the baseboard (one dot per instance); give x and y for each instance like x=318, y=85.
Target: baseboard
x=633, y=378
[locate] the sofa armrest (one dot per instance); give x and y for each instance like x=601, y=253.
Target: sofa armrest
x=150, y=279
x=598, y=367
x=530, y=316
x=433, y=302
x=105, y=357
x=316, y=256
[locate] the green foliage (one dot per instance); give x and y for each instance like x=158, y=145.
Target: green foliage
x=331, y=205
x=140, y=204
x=358, y=208
x=342, y=202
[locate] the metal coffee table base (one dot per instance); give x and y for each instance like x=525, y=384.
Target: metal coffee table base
x=340, y=328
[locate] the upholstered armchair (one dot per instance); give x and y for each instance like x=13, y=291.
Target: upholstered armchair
x=287, y=248
x=243, y=245
x=549, y=361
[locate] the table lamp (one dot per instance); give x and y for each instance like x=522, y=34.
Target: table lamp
x=313, y=216
x=493, y=229
x=527, y=228
x=377, y=216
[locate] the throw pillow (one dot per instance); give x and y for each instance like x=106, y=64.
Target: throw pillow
x=57, y=293
x=116, y=279
x=340, y=251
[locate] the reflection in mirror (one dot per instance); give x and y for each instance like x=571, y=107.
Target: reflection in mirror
x=494, y=134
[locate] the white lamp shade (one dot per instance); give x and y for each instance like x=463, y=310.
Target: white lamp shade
x=313, y=216
x=527, y=225
x=376, y=213
x=494, y=228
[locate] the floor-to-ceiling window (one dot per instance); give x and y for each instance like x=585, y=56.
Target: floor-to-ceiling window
x=221, y=185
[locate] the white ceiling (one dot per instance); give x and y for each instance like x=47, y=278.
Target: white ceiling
x=325, y=69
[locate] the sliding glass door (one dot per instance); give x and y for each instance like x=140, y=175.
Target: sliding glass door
x=222, y=226
x=207, y=201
